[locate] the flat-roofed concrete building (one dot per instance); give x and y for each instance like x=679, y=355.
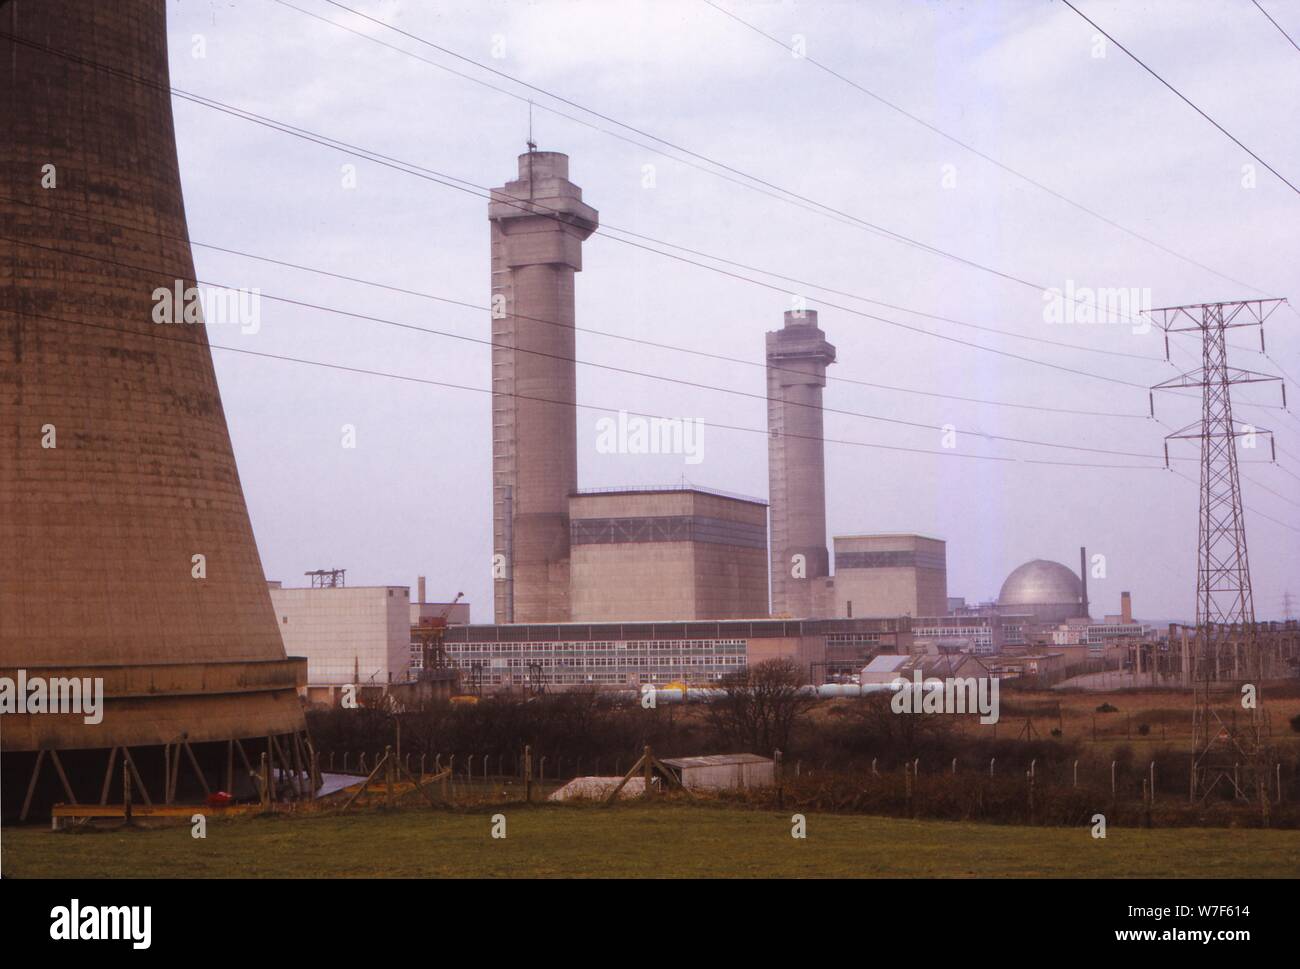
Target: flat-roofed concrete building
x=353, y=634
x=890, y=575
x=972, y=634
x=667, y=554
x=628, y=654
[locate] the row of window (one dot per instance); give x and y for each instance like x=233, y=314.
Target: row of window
x=656, y=645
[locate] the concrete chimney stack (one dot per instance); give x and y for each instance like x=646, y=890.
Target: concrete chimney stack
x=420, y=586
x=1125, y=607
x=539, y=222
x=797, y=358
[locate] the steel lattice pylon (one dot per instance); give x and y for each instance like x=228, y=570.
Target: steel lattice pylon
x=1228, y=749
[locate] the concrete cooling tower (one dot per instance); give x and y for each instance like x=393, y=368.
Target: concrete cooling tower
x=126, y=552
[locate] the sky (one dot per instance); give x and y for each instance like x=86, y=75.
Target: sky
x=785, y=169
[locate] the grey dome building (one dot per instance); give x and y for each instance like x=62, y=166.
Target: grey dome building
x=1048, y=591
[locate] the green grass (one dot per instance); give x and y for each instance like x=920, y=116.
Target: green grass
x=667, y=840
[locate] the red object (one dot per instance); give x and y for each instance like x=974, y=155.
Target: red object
x=220, y=799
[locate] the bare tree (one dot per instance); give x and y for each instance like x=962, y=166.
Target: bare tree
x=760, y=706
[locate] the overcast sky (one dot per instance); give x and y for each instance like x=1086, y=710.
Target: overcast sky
x=1022, y=82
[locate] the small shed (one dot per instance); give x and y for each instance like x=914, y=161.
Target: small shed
x=723, y=771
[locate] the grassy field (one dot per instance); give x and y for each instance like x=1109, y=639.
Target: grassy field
x=665, y=840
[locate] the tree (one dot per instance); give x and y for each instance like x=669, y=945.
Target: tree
x=760, y=706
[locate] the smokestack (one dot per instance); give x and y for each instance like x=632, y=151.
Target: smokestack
x=538, y=224
x=1125, y=607
x=420, y=585
x=1083, y=578
x=797, y=358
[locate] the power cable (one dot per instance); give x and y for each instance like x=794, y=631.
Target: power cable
x=1180, y=95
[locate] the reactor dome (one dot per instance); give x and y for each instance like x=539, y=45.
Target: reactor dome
x=1047, y=590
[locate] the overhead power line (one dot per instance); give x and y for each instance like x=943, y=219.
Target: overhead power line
x=1276, y=24
x=345, y=368
x=879, y=99
x=786, y=193
x=1248, y=508
x=171, y=273
x=479, y=191
x=583, y=329
x=1182, y=97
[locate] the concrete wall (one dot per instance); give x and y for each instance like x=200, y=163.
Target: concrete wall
x=654, y=569
x=359, y=634
x=916, y=586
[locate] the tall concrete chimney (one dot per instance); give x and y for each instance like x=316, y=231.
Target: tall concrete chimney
x=420, y=586
x=1125, y=607
x=538, y=224
x=797, y=358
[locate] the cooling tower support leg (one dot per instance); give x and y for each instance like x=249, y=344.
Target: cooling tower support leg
x=108, y=776
x=31, y=785
x=63, y=777
x=194, y=762
x=135, y=775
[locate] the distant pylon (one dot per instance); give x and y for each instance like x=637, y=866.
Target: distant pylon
x=1223, y=592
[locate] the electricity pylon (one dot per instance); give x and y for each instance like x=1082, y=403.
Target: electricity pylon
x=1226, y=749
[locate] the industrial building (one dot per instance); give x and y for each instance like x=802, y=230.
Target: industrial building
x=667, y=554
x=885, y=669
x=126, y=552
x=454, y=613
x=1047, y=591
x=370, y=637
x=890, y=575
x=627, y=655
x=354, y=635
x=981, y=635
x=797, y=358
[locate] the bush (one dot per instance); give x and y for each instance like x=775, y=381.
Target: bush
x=1107, y=708
x=1144, y=729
